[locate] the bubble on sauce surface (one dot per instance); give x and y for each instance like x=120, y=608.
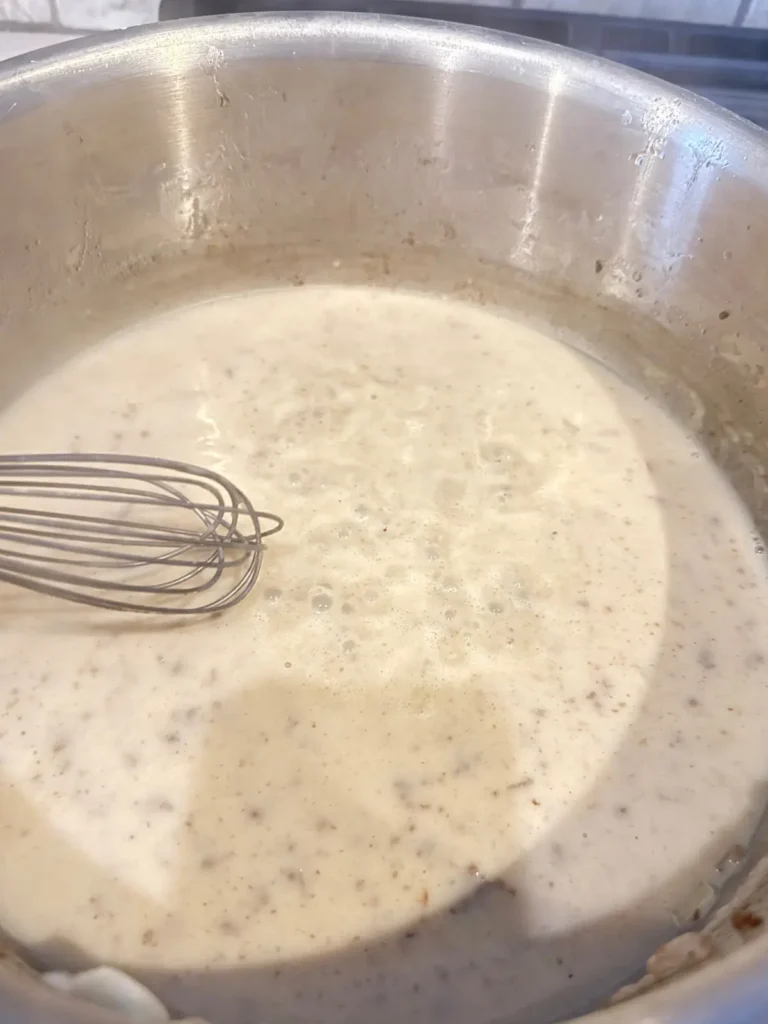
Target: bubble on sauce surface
x=322, y=602
x=266, y=729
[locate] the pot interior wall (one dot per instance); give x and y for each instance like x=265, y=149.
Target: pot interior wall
x=177, y=167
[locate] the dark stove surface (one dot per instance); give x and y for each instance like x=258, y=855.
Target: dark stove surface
x=726, y=64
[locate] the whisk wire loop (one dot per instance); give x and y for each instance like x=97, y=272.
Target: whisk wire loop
x=129, y=533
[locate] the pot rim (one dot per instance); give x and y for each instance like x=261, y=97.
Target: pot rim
x=443, y=45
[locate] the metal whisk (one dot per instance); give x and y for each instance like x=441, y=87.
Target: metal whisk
x=129, y=533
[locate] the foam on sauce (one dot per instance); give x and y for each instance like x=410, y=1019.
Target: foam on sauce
x=513, y=632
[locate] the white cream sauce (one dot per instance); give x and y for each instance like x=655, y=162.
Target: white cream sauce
x=514, y=630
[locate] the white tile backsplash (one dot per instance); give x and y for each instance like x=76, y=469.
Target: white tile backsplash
x=26, y=10
x=85, y=14
x=106, y=13
x=757, y=15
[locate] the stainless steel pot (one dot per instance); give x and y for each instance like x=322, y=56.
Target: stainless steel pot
x=188, y=158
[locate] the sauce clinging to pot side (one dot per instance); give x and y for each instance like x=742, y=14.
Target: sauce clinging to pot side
x=495, y=648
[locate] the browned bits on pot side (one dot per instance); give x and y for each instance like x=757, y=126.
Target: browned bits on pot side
x=745, y=920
